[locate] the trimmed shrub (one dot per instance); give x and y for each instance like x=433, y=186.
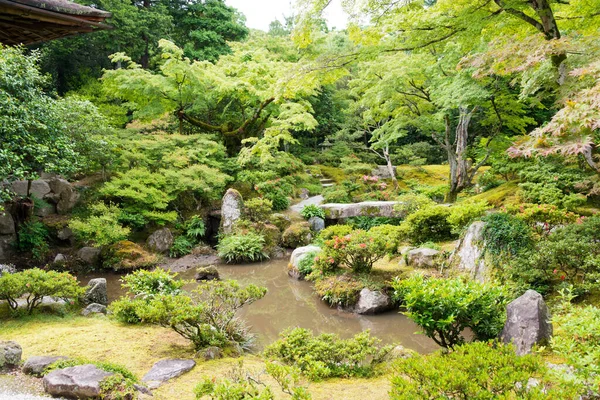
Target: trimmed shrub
x=411, y=203
x=429, y=224
x=297, y=235
x=479, y=371
x=393, y=235
x=445, y=307
x=335, y=230
x=463, y=214
x=101, y=227
x=328, y=356
x=358, y=250
x=37, y=283
x=258, y=209
x=248, y=247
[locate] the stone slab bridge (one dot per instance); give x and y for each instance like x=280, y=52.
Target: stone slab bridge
x=364, y=209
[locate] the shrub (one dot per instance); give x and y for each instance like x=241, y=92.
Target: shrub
x=335, y=230
x=33, y=237
x=281, y=221
x=463, y=214
x=102, y=227
x=326, y=355
x=147, y=284
x=297, y=235
x=429, y=224
x=545, y=214
x=444, y=307
x=312, y=210
x=306, y=263
x=181, y=247
x=489, y=180
x=276, y=190
x=339, y=290
x=505, y=234
x=392, y=234
x=127, y=256
x=195, y=229
x=411, y=203
x=358, y=250
x=258, y=209
x=478, y=371
x=366, y=222
x=207, y=315
x=248, y=247
x=37, y=283
x=335, y=194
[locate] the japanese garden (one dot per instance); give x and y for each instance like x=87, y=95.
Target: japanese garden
x=403, y=207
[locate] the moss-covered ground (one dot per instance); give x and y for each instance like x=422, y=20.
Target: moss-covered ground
x=139, y=347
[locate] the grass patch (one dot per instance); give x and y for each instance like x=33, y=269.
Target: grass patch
x=503, y=194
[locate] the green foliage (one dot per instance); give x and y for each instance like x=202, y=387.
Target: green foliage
x=335, y=230
x=206, y=316
x=489, y=180
x=248, y=247
x=312, y=210
x=278, y=191
x=392, y=234
x=429, y=224
x=101, y=227
x=463, y=214
x=445, y=307
x=544, y=214
x=306, y=263
x=461, y=373
x=336, y=194
x=326, y=355
x=195, y=228
x=336, y=290
x=297, y=235
x=412, y=202
x=366, y=222
x=37, y=283
x=127, y=256
x=358, y=250
x=181, y=246
x=506, y=235
x=258, y=209
x=147, y=284
x=33, y=237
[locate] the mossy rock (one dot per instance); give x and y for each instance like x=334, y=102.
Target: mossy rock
x=272, y=235
x=127, y=256
x=281, y=221
x=297, y=235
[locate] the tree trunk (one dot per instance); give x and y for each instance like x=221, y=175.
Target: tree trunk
x=390, y=166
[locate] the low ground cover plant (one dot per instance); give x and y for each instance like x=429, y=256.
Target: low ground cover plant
x=312, y=210
x=326, y=355
x=248, y=247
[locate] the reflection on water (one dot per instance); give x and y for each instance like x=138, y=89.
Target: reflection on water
x=292, y=303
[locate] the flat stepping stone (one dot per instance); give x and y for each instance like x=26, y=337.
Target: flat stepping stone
x=326, y=185
x=37, y=364
x=364, y=209
x=79, y=382
x=165, y=370
x=316, y=200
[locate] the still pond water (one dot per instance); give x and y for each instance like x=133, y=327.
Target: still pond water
x=292, y=303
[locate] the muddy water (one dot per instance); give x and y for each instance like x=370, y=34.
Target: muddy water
x=292, y=303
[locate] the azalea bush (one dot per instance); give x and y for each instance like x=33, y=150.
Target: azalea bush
x=445, y=307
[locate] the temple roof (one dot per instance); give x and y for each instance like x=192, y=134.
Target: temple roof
x=34, y=21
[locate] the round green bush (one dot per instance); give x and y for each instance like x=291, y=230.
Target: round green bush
x=429, y=224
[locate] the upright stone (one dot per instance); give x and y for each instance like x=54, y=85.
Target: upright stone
x=65, y=194
x=10, y=354
x=7, y=224
x=422, y=257
x=527, y=322
x=468, y=256
x=161, y=240
x=231, y=209
x=96, y=292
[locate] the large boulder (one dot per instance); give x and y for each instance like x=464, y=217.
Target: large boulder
x=65, y=233
x=94, y=308
x=7, y=224
x=79, y=382
x=468, y=255
x=298, y=255
x=372, y=302
x=231, y=209
x=7, y=247
x=37, y=364
x=297, y=235
x=65, y=195
x=39, y=188
x=89, y=255
x=165, y=370
x=365, y=209
x=10, y=354
x=527, y=322
x=422, y=257
x=161, y=240
x=96, y=292
x=317, y=224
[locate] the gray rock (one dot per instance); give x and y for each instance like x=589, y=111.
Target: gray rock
x=382, y=172
x=6, y=247
x=231, y=209
x=60, y=259
x=37, y=364
x=316, y=200
x=468, y=255
x=527, y=322
x=372, y=302
x=165, y=370
x=65, y=233
x=80, y=382
x=209, y=273
x=422, y=257
x=65, y=195
x=94, y=308
x=44, y=210
x=366, y=208
x=400, y=352
x=10, y=354
x=96, y=292
x=161, y=240
x=301, y=252
x=7, y=224
x=39, y=188
x=190, y=261
x=317, y=224
x=89, y=255
x=304, y=194
x=7, y=269
x=212, y=353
